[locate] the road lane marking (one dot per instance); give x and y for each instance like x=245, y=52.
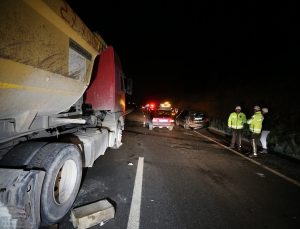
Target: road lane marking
x=135, y=208
x=253, y=161
x=127, y=112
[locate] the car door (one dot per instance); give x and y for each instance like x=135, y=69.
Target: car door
x=182, y=117
x=186, y=120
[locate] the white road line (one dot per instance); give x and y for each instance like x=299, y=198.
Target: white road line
x=253, y=161
x=134, y=214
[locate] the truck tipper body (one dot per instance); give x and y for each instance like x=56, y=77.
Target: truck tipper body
x=62, y=104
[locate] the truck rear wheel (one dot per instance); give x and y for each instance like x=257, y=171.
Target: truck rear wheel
x=63, y=166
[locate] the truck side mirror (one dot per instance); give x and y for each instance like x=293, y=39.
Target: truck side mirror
x=128, y=83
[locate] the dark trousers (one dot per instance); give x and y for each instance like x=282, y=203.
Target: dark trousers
x=254, y=142
x=236, y=138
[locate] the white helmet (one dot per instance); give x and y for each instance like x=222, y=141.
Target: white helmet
x=257, y=108
x=265, y=110
x=238, y=108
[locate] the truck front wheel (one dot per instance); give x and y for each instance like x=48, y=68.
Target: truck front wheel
x=63, y=166
x=118, y=136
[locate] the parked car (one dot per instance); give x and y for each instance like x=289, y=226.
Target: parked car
x=192, y=119
x=160, y=118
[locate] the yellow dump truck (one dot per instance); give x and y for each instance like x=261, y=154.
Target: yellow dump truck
x=62, y=104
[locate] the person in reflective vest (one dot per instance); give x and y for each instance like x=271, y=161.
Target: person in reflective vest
x=265, y=131
x=236, y=122
x=255, y=125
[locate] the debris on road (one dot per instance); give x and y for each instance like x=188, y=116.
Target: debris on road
x=261, y=174
x=92, y=214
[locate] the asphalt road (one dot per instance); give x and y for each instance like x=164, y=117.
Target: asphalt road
x=186, y=181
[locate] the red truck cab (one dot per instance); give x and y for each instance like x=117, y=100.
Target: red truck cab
x=107, y=91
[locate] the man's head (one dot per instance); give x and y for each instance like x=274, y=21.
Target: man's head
x=265, y=110
x=256, y=108
x=238, y=109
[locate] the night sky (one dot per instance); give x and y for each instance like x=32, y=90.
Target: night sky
x=217, y=53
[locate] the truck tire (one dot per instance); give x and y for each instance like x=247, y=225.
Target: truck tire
x=63, y=165
x=118, y=137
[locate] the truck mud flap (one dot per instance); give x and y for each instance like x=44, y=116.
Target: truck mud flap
x=20, y=193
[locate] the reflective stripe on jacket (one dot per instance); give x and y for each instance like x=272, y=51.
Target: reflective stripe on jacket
x=236, y=120
x=255, y=122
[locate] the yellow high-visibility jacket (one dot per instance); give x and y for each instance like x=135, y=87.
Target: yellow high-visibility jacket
x=255, y=122
x=237, y=120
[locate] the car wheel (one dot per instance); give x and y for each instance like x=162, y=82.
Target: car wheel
x=186, y=126
x=150, y=126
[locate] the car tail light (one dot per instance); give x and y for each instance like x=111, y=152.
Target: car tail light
x=152, y=106
x=169, y=120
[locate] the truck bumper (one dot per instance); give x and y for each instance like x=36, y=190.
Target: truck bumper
x=162, y=124
x=20, y=193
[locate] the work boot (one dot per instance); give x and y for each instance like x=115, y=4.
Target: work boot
x=264, y=151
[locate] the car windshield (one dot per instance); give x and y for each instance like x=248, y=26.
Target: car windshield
x=198, y=115
x=162, y=113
